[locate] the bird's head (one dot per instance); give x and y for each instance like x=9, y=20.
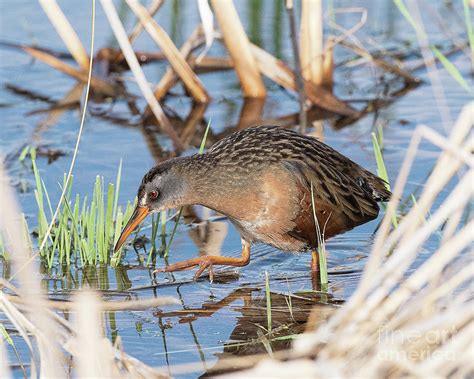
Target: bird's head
x=163, y=187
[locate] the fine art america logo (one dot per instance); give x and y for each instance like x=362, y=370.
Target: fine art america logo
x=415, y=345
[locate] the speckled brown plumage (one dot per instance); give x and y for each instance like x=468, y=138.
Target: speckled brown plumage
x=261, y=178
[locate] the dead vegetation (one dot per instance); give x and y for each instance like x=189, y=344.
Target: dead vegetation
x=408, y=318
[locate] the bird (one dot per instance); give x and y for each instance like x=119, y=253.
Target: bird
x=275, y=185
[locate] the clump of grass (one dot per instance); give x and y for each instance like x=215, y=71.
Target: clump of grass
x=85, y=230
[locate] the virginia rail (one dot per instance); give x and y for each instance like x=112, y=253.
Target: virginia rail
x=262, y=178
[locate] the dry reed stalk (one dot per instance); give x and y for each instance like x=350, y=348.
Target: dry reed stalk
x=311, y=41
x=170, y=78
x=387, y=66
x=93, y=359
x=104, y=306
x=137, y=71
x=152, y=9
x=238, y=46
x=66, y=32
x=177, y=61
x=211, y=63
x=251, y=113
x=4, y=368
x=11, y=227
x=328, y=65
x=281, y=74
x=297, y=71
x=403, y=322
x=97, y=84
x=193, y=120
x=81, y=343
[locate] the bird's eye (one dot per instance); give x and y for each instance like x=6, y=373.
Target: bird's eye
x=152, y=195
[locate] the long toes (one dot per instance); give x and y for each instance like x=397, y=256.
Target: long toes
x=211, y=273
x=199, y=272
x=201, y=269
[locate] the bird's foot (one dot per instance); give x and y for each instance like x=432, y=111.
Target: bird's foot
x=203, y=263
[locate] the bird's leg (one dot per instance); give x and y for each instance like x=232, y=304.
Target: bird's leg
x=314, y=262
x=209, y=261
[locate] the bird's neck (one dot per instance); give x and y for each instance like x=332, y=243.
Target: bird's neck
x=213, y=186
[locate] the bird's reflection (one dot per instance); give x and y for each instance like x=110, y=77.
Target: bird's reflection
x=208, y=231
x=252, y=333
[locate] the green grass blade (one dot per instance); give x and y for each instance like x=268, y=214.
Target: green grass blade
x=24, y=153
x=163, y=215
x=470, y=33
x=109, y=220
x=381, y=169
x=204, y=138
x=269, y=304
x=117, y=188
x=115, y=260
x=382, y=172
x=452, y=69
x=406, y=13
x=175, y=226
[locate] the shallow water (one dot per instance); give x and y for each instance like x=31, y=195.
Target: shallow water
x=198, y=330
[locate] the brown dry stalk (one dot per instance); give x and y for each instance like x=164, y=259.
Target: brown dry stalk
x=281, y=74
x=170, y=78
x=152, y=9
x=97, y=84
x=311, y=45
x=387, y=66
x=104, y=306
x=176, y=60
x=11, y=227
x=238, y=46
x=298, y=77
x=66, y=32
x=137, y=71
x=328, y=65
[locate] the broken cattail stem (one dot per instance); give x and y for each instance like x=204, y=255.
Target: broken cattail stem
x=311, y=49
x=297, y=71
x=328, y=65
x=137, y=71
x=176, y=60
x=66, y=32
x=152, y=9
x=238, y=46
x=280, y=73
x=170, y=77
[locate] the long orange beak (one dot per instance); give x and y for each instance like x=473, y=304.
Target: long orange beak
x=137, y=217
